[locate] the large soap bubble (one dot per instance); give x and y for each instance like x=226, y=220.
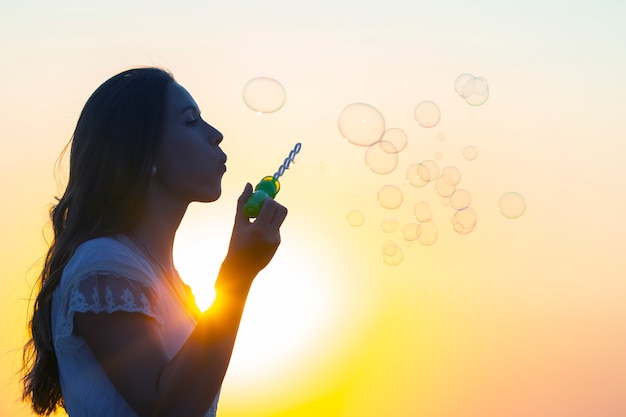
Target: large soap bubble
x=361, y=124
x=264, y=95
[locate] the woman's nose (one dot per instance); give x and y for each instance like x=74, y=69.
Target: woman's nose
x=214, y=134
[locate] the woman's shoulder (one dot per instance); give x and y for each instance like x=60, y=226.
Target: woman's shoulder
x=102, y=247
x=106, y=254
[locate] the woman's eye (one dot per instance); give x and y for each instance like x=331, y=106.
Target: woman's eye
x=193, y=117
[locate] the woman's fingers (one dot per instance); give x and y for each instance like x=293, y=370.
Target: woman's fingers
x=272, y=213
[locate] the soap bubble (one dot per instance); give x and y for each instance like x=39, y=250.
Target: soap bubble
x=264, y=95
x=451, y=175
x=390, y=197
x=474, y=90
x=392, y=253
x=381, y=157
x=361, y=124
x=389, y=225
x=422, y=211
x=512, y=205
x=459, y=83
x=428, y=170
x=411, y=231
x=355, y=218
x=413, y=176
x=396, y=137
x=464, y=221
x=444, y=188
x=460, y=199
x=427, y=113
x=470, y=153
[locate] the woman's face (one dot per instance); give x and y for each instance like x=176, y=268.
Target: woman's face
x=189, y=162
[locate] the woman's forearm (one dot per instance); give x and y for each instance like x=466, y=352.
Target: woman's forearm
x=192, y=379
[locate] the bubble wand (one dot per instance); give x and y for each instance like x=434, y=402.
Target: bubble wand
x=269, y=186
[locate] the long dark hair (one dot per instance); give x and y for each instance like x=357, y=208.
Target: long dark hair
x=111, y=157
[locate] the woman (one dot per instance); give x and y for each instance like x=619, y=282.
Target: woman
x=115, y=331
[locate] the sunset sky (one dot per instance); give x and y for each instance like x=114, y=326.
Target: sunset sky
x=516, y=317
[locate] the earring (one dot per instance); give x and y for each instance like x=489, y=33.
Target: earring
x=154, y=170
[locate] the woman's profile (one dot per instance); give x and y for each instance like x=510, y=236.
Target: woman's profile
x=115, y=331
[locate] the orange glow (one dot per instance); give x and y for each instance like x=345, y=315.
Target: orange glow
x=508, y=315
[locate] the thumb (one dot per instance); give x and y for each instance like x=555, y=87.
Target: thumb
x=241, y=201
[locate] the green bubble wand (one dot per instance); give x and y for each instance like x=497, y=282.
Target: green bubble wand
x=269, y=186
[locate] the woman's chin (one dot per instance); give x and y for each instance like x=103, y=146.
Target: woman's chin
x=210, y=196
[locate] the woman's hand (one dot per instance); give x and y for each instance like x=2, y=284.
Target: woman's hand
x=254, y=243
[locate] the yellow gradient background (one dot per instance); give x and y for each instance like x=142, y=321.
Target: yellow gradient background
x=523, y=317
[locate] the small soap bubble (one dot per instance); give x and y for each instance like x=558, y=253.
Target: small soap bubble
x=460, y=199
x=477, y=86
x=413, y=175
x=392, y=254
x=441, y=136
x=390, y=248
x=361, y=124
x=411, y=231
x=464, y=221
x=422, y=211
x=438, y=156
x=427, y=113
x=381, y=157
x=397, y=138
x=390, y=197
x=451, y=175
x=474, y=90
x=470, y=153
x=428, y=233
x=443, y=188
x=264, y=95
x=477, y=91
x=459, y=83
x=512, y=205
x=389, y=225
x=355, y=218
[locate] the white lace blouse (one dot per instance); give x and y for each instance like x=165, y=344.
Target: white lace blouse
x=103, y=276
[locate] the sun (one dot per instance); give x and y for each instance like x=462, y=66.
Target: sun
x=307, y=321
x=294, y=331
x=287, y=307
x=196, y=271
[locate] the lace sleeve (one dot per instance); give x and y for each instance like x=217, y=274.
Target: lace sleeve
x=102, y=292
x=109, y=293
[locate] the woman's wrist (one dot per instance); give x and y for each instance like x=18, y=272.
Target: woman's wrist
x=234, y=278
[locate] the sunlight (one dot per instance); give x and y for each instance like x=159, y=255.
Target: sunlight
x=300, y=325
x=308, y=321
x=286, y=310
x=192, y=266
